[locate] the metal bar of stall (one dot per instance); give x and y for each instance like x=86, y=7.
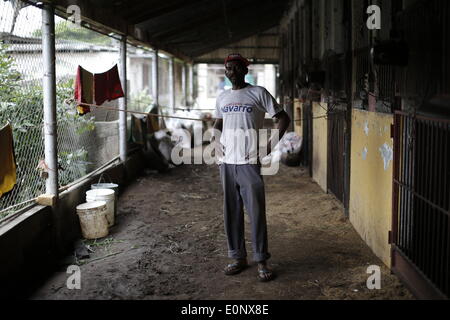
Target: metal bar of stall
x=433, y=215
x=411, y=165
x=421, y=198
x=408, y=155
x=395, y=196
x=427, y=194
x=439, y=169
x=417, y=207
x=441, y=230
x=402, y=173
x=446, y=195
x=421, y=174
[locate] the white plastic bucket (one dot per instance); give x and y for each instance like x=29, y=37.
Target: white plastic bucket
x=106, y=195
x=93, y=222
x=111, y=186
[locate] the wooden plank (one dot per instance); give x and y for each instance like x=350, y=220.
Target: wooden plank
x=152, y=13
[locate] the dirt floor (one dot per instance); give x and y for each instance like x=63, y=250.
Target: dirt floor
x=169, y=243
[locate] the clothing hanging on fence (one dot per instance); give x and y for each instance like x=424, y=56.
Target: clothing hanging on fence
x=99, y=87
x=152, y=122
x=84, y=89
x=107, y=86
x=7, y=160
x=138, y=129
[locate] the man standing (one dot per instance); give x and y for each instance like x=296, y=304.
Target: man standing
x=238, y=111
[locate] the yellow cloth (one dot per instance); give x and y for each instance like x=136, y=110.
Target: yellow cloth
x=7, y=163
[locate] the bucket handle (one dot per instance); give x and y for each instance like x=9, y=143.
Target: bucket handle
x=101, y=178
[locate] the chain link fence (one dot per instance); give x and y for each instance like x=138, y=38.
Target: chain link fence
x=21, y=98
x=85, y=142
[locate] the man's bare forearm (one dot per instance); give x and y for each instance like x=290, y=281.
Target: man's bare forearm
x=283, y=124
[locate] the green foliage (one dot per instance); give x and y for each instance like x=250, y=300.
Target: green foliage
x=73, y=163
x=141, y=101
x=21, y=104
x=9, y=77
x=66, y=30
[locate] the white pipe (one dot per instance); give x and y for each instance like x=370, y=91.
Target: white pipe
x=49, y=92
x=155, y=76
x=123, y=101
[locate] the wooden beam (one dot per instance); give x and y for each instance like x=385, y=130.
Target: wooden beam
x=199, y=22
x=221, y=42
x=251, y=47
x=265, y=19
x=162, y=11
x=220, y=61
x=129, y=10
x=190, y=41
x=122, y=5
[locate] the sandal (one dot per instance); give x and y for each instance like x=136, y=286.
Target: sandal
x=235, y=268
x=265, y=275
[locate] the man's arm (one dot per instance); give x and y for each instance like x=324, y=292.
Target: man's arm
x=218, y=125
x=283, y=124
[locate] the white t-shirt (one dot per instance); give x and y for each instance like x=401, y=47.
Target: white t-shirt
x=243, y=112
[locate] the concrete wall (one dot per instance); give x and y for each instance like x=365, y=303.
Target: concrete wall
x=320, y=145
x=32, y=243
x=371, y=179
x=106, y=144
x=101, y=144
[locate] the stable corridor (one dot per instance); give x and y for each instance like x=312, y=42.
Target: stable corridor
x=169, y=243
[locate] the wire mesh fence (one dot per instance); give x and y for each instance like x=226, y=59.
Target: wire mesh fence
x=139, y=74
x=21, y=98
x=84, y=142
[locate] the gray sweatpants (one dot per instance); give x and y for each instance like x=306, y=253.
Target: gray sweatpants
x=244, y=185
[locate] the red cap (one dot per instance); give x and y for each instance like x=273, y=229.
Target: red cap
x=237, y=57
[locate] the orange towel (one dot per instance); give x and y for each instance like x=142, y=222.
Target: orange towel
x=7, y=160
